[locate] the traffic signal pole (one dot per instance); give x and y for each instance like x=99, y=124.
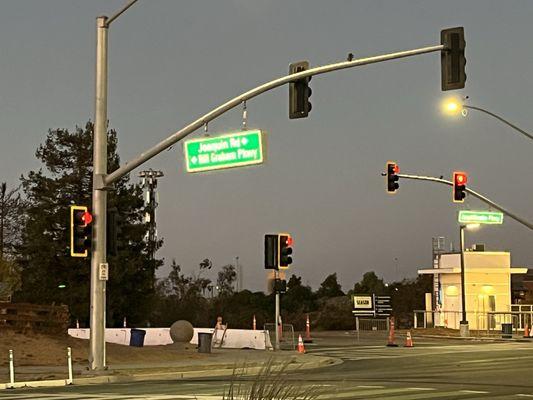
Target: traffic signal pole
x=102, y=181
x=211, y=115
x=276, y=345
x=473, y=193
x=99, y=205
x=99, y=196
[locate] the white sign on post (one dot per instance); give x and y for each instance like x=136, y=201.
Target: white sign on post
x=103, y=272
x=363, y=305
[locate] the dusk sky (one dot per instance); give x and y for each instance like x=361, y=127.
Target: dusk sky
x=172, y=61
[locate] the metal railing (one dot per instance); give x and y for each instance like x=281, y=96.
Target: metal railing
x=286, y=338
x=490, y=321
x=371, y=324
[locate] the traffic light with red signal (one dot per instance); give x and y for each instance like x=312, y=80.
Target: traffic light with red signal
x=80, y=231
x=459, y=186
x=392, y=177
x=285, y=250
x=278, y=251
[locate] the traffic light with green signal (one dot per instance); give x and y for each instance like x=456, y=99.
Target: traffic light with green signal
x=392, y=177
x=80, y=231
x=452, y=58
x=459, y=186
x=299, y=92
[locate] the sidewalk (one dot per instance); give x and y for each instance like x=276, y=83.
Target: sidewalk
x=219, y=363
x=438, y=333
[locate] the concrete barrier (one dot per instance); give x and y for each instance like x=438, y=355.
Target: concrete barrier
x=233, y=339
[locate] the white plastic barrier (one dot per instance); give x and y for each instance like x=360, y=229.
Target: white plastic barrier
x=233, y=339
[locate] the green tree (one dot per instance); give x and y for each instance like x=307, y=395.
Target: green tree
x=370, y=284
x=11, y=219
x=44, y=255
x=299, y=298
x=330, y=287
x=9, y=278
x=225, y=280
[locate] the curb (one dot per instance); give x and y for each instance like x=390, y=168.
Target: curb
x=122, y=377
x=474, y=338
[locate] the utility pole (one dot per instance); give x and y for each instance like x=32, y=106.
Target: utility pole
x=149, y=182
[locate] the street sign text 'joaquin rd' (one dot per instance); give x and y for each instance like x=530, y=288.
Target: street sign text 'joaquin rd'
x=226, y=151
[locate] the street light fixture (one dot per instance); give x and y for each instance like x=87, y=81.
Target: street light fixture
x=453, y=106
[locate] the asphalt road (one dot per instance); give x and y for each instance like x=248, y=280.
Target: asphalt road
x=433, y=369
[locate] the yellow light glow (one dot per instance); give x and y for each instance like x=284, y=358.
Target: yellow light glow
x=472, y=227
x=452, y=106
x=452, y=291
x=487, y=289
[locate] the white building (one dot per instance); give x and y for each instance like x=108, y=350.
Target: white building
x=487, y=287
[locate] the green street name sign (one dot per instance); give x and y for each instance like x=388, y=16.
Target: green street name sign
x=226, y=151
x=480, y=217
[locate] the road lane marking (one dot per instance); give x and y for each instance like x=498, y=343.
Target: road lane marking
x=524, y=395
x=454, y=394
x=370, y=386
x=474, y=391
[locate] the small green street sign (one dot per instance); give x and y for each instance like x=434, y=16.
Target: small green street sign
x=226, y=151
x=480, y=217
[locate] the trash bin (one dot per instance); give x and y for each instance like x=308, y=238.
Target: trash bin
x=507, y=331
x=137, y=337
x=204, y=342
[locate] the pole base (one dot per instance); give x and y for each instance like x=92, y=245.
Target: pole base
x=464, y=330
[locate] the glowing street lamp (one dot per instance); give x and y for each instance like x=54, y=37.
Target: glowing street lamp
x=453, y=106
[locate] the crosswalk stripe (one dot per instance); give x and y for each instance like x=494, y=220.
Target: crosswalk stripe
x=429, y=395
x=352, y=394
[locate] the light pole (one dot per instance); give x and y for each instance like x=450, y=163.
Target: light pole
x=454, y=106
x=463, y=326
x=99, y=197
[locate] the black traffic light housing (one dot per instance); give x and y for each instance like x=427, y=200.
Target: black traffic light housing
x=285, y=250
x=80, y=231
x=280, y=285
x=114, y=229
x=392, y=177
x=452, y=58
x=459, y=186
x=299, y=92
x=271, y=251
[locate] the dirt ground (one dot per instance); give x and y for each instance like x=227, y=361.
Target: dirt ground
x=43, y=349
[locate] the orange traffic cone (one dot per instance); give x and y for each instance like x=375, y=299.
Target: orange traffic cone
x=526, y=331
x=390, y=342
x=408, y=340
x=308, y=331
x=301, y=348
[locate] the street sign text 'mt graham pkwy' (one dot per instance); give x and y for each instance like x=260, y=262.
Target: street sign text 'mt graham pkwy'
x=226, y=151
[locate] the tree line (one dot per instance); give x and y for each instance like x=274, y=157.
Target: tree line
x=36, y=267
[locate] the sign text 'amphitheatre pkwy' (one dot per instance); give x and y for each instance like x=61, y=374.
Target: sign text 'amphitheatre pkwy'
x=226, y=151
